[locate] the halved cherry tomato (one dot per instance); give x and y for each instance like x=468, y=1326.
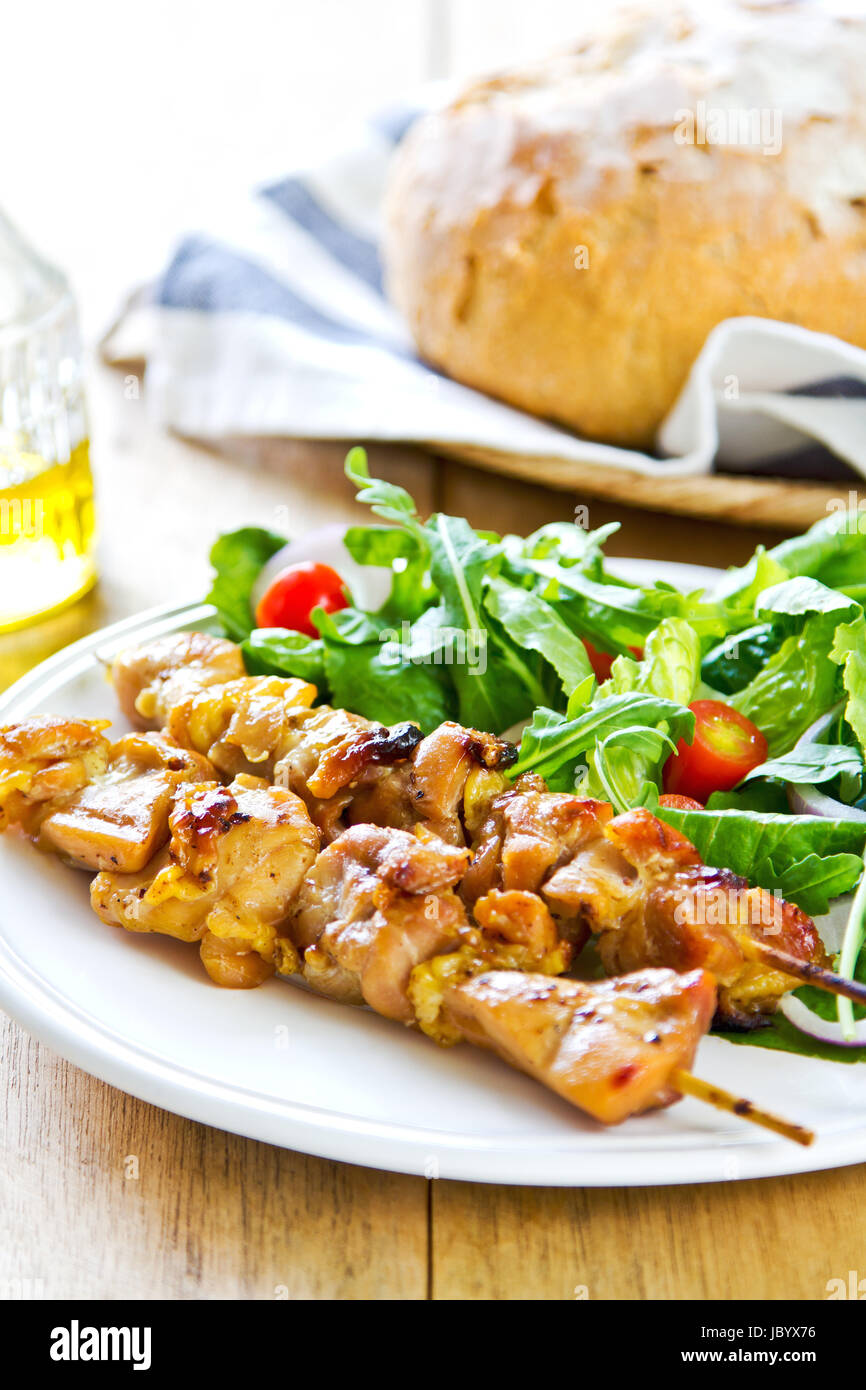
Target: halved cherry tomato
x=601, y=662
x=296, y=591
x=675, y=802
x=726, y=746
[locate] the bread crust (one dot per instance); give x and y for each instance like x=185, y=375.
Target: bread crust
x=554, y=238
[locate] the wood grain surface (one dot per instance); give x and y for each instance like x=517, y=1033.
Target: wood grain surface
x=103, y=1196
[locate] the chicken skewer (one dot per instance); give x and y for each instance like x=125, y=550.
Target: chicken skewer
x=377, y=919
x=642, y=889
x=378, y=922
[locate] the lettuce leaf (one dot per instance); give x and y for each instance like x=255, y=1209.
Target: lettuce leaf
x=849, y=652
x=807, y=859
x=797, y=685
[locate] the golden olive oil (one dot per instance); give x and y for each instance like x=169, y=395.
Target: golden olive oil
x=46, y=534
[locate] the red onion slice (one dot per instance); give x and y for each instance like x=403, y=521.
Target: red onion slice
x=806, y=1021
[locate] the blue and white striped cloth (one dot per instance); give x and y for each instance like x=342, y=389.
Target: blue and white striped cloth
x=275, y=323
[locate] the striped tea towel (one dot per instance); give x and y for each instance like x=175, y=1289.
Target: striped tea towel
x=275, y=323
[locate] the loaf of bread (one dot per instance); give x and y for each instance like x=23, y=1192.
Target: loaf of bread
x=565, y=236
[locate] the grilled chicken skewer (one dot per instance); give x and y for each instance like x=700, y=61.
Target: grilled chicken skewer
x=377, y=921
x=642, y=889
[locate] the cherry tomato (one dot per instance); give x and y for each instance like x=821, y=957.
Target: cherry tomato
x=294, y=594
x=601, y=662
x=726, y=746
x=674, y=802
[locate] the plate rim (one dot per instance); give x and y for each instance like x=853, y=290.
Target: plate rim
x=104, y=1053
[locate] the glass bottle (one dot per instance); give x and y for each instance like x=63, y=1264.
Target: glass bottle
x=46, y=487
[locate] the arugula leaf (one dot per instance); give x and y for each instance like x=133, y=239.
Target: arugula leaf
x=807, y=859
x=570, y=544
x=274, y=651
x=534, y=624
x=622, y=763
x=387, y=500
x=509, y=686
x=552, y=744
x=238, y=558
x=781, y=1036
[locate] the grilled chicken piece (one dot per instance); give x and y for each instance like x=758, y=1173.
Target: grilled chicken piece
x=120, y=819
x=514, y=931
x=150, y=679
x=376, y=903
x=529, y=834
x=441, y=769
x=686, y=914
x=228, y=877
x=446, y=787
x=608, y=1048
x=242, y=725
x=44, y=762
x=331, y=758
x=347, y=769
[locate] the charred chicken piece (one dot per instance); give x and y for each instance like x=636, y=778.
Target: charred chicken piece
x=376, y=902
x=446, y=786
x=120, y=819
x=608, y=1048
x=44, y=762
x=643, y=889
x=151, y=679
x=332, y=758
x=228, y=878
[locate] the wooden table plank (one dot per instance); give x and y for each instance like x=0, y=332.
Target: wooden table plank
x=771, y=1239
x=104, y=1196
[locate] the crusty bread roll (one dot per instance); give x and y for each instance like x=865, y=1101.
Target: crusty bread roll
x=566, y=235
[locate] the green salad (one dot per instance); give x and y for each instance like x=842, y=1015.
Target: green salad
x=752, y=691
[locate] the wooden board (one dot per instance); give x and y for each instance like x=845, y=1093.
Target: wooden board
x=742, y=499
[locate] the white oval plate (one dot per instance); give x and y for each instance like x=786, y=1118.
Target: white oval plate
x=282, y=1065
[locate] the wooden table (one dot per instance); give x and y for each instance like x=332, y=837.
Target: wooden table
x=103, y=1196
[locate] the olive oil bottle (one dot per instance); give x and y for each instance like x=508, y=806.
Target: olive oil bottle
x=46, y=487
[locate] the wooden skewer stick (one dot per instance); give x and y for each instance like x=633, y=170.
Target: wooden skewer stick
x=735, y=1105
x=804, y=970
